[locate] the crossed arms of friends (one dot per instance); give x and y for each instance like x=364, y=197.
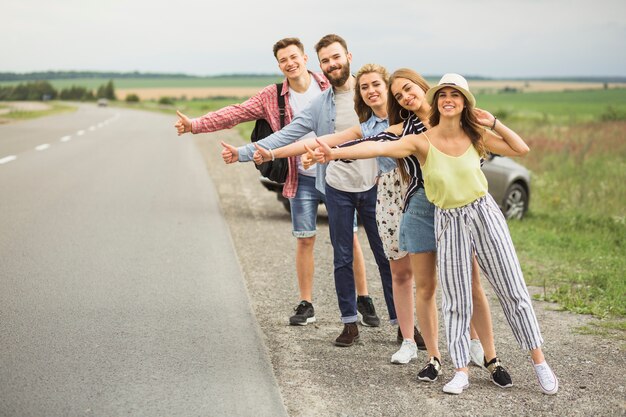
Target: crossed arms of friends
x=502, y=140
x=306, y=146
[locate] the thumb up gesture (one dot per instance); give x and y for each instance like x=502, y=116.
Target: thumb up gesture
x=183, y=125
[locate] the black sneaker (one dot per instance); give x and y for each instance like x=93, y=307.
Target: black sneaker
x=498, y=374
x=305, y=314
x=417, y=336
x=431, y=371
x=365, y=306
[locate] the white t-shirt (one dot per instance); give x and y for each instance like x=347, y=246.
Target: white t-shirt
x=356, y=176
x=299, y=102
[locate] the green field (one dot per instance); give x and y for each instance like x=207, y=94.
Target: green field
x=566, y=107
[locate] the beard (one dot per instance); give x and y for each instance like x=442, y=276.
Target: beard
x=343, y=75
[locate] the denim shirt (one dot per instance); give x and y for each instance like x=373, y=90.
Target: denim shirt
x=373, y=126
x=319, y=117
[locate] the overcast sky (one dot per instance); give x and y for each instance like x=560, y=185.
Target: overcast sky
x=493, y=38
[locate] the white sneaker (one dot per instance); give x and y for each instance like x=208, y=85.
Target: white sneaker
x=477, y=355
x=547, y=380
x=407, y=351
x=457, y=384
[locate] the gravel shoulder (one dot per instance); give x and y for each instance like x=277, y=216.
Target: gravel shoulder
x=318, y=379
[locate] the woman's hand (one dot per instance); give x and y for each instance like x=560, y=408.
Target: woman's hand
x=484, y=118
x=323, y=153
x=230, y=154
x=261, y=155
x=183, y=125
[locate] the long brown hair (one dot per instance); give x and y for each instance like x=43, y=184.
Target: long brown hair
x=469, y=124
x=394, y=109
x=363, y=110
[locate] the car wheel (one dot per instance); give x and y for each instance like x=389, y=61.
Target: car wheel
x=286, y=205
x=515, y=202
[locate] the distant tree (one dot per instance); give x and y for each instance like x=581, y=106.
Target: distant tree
x=76, y=93
x=132, y=98
x=36, y=90
x=106, y=91
x=166, y=101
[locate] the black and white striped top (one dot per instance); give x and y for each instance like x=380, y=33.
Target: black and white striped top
x=412, y=125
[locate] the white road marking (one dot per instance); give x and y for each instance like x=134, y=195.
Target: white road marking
x=8, y=159
x=92, y=128
x=42, y=147
x=80, y=133
x=66, y=138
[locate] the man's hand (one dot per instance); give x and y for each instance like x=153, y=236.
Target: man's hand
x=308, y=158
x=230, y=155
x=183, y=125
x=261, y=155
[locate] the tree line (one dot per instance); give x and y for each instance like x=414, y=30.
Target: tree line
x=43, y=90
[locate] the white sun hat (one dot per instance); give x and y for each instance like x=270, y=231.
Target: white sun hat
x=452, y=80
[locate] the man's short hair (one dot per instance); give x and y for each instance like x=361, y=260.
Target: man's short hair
x=329, y=39
x=283, y=43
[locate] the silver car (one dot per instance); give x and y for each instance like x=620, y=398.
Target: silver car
x=509, y=185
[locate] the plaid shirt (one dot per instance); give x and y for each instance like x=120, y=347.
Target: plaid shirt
x=263, y=105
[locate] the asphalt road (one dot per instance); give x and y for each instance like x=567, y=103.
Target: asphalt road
x=120, y=292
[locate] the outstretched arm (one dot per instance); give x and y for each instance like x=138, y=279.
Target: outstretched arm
x=501, y=140
x=298, y=148
x=407, y=145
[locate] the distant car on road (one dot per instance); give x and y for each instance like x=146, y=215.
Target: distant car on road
x=509, y=185
x=103, y=102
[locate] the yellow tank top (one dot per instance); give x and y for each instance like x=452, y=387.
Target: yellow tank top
x=453, y=181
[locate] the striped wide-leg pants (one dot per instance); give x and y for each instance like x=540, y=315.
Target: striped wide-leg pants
x=480, y=227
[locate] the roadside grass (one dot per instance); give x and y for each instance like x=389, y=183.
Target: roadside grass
x=18, y=114
x=194, y=108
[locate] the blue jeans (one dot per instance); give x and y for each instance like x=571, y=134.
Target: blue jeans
x=340, y=206
x=304, y=207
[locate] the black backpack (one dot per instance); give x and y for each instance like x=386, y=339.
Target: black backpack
x=274, y=170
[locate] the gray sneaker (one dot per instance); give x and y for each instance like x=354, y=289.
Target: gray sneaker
x=365, y=306
x=305, y=314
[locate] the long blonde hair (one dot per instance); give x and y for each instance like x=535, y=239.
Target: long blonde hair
x=363, y=110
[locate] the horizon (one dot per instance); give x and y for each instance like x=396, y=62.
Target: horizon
x=142, y=74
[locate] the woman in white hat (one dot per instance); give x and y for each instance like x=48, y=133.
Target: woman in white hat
x=467, y=219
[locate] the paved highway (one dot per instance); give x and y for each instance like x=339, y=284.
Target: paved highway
x=120, y=292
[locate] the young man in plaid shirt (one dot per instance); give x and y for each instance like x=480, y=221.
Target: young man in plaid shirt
x=300, y=87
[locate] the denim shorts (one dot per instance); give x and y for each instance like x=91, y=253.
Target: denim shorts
x=417, y=227
x=304, y=208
